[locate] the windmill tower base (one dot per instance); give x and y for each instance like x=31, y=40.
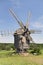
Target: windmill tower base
x=20, y=43
x=24, y=54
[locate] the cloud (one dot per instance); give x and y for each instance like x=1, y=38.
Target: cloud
x=38, y=23
x=6, y=39
x=38, y=38
x=16, y=3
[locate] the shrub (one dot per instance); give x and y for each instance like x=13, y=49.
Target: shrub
x=35, y=49
x=7, y=48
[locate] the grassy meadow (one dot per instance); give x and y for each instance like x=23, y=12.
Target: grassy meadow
x=8, y=57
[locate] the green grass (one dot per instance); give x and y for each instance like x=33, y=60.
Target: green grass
x=9, y=58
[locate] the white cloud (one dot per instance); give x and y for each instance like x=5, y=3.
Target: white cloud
x=6, y=39
x=38, y=38
x=38, y=23
x=16, y=3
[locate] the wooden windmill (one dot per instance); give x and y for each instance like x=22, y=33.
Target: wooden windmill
x=22, y=36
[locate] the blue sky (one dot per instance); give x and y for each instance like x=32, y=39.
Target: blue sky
x=21, y=8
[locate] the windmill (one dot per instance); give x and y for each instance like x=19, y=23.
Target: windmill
x=22, y=36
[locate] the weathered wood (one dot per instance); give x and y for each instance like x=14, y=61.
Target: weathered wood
x=20, y=42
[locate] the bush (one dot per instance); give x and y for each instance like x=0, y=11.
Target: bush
x=35, y=49
x=12, y=46
x=3, y=47
x=7, y=48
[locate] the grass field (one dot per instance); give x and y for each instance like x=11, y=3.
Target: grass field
x=9, y=58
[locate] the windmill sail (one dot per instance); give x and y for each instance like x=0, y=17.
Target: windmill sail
x=28, y=19
x=19, y=22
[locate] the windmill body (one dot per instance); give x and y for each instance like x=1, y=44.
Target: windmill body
x=20, y=41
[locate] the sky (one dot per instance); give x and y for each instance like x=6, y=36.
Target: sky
x=21, y=8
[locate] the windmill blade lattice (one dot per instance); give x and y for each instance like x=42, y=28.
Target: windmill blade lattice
x=19, y=22
x=28, y=19
x=6, y=33
x=35, y=31
x=31, y=39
